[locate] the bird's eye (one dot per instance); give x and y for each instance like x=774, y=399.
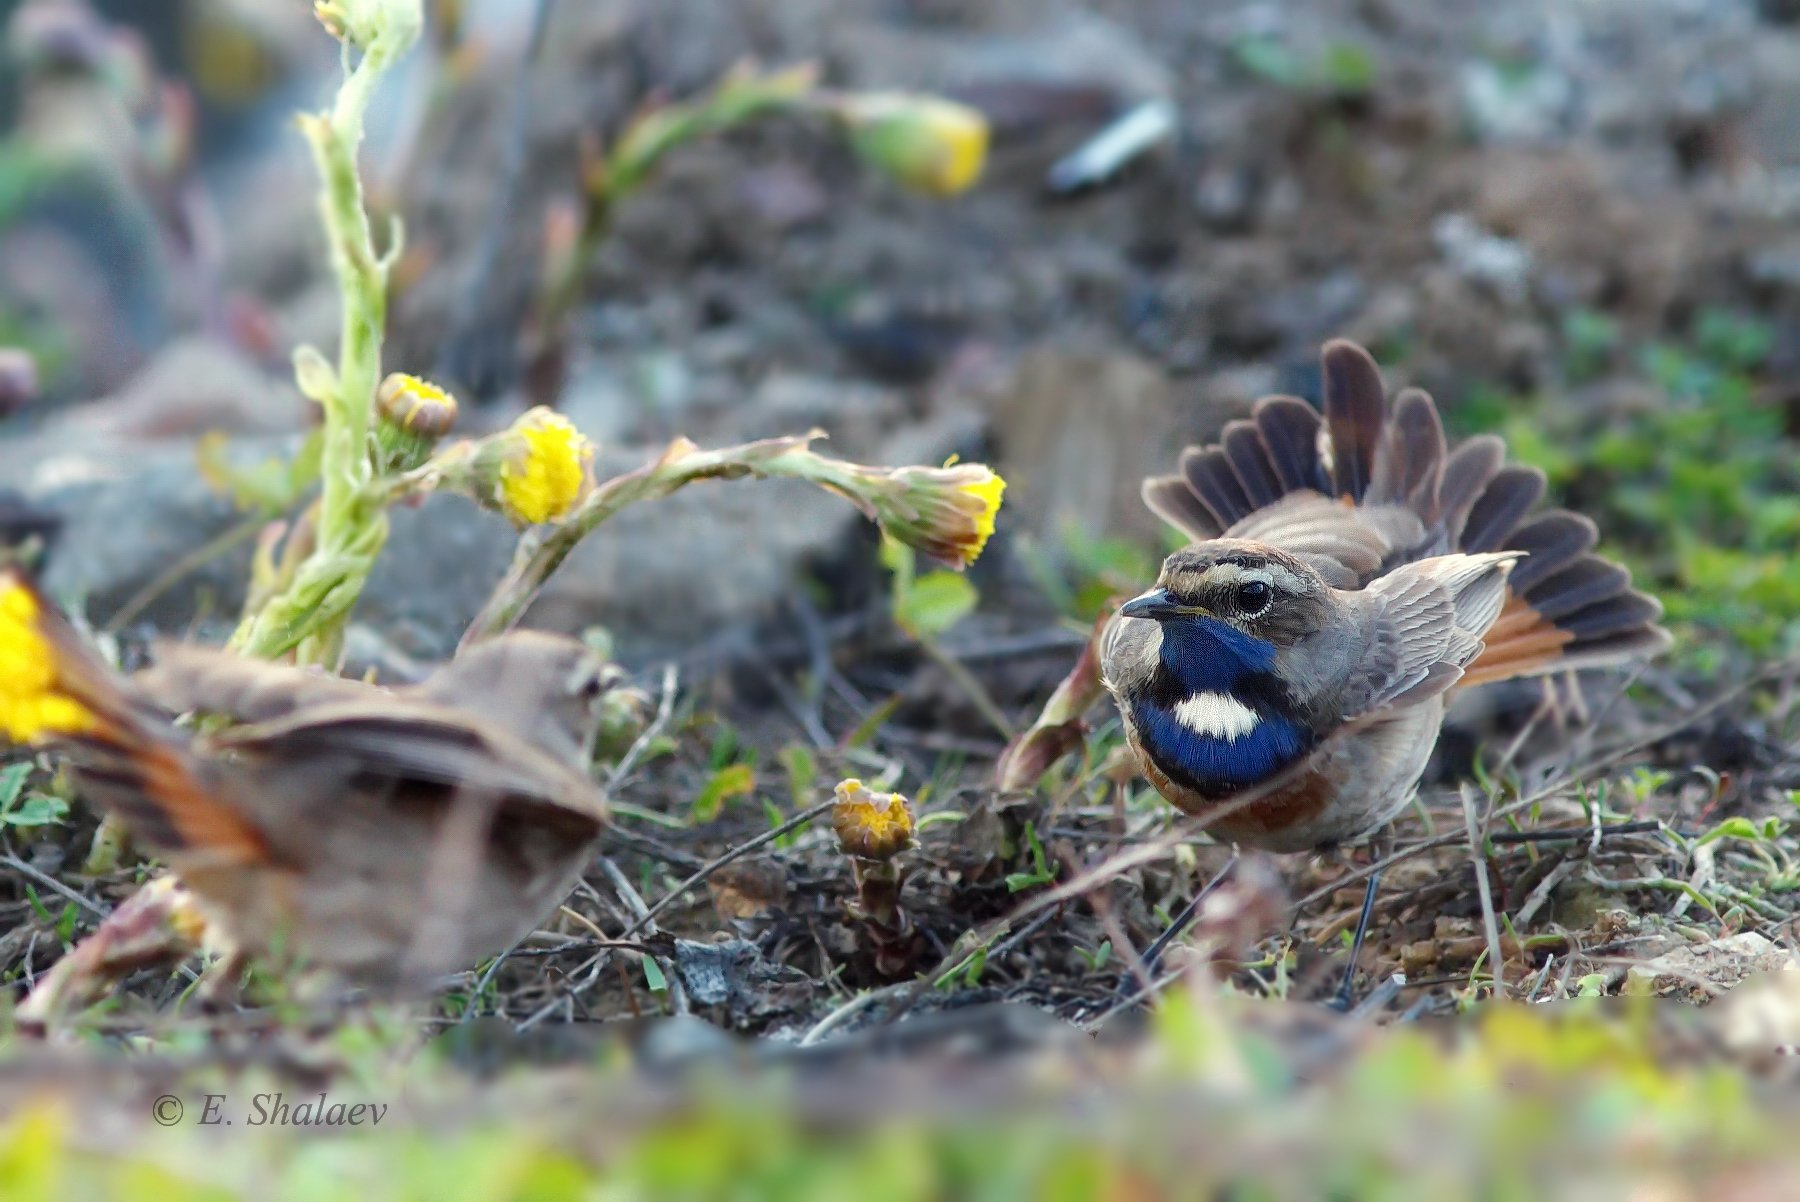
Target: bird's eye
x=1253, y=596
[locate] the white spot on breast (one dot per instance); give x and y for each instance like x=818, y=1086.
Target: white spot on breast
x=1219, y=715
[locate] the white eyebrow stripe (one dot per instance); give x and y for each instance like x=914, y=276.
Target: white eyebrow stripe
x=1217, y=714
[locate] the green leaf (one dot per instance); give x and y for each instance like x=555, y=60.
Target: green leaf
x=1040, y=874
x=65, y=923
x=935, y=602
x=12, y=781
x=37, y=809
x=1347, y=69
x=1732, y=828
x=1267, y=59
x=733, y=780
x=802, y=773
x=315, y=377
x=653, y=975
x=869, y=727
x=36, y=903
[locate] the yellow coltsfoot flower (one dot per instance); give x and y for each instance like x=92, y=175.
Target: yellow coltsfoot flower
x=537, y=470
x=31, y=703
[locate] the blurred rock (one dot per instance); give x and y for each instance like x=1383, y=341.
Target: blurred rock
x=1700, y=971
x=735, y=974
x=1776, y=267
x=129, y=511
x=1763, y=1013
x=1476, y=254
x=1078, y=432
x=18, y=380
x=1511, y=102
x=196, y=386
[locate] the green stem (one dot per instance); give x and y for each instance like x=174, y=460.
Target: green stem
x=543, y=550
x=308, y=616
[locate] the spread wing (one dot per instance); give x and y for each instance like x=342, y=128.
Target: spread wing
x=1424, y=624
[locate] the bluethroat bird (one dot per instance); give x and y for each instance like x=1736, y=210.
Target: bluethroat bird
x=1286, y=678
x=386, y=836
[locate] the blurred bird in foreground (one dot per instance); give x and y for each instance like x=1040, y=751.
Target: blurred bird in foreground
x=385, y=836
x=1287, y=677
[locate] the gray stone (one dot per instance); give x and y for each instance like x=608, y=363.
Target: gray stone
x=1078, y=432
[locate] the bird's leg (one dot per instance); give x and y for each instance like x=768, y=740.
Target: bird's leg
x=1378, y=848
x=1346, y=990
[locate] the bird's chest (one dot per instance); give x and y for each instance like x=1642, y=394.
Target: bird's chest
x=1216, y=743
x=1216, y=718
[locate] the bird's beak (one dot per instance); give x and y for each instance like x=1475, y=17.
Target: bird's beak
x=1158, y=606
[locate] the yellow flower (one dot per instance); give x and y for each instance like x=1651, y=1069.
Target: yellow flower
x=416, y=405
x=536, y=470
x=869, y=825
x=30, y=705
x=946, y=512
x=925, y=143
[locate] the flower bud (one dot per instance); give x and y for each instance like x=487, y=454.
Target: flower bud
x=924, y=143
x=945, y=512
x=416, y=406
x=869, y=825
x=536, y=470
x=385, y=27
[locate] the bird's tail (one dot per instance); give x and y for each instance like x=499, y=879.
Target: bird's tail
x=57, y=692
x=1565, y=607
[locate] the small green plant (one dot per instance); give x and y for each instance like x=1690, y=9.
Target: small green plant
x=20, y=807
x=1041, y=873
x=1343, y=68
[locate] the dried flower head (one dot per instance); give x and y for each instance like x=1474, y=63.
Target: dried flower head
x=31, y=706
x=925, y=143
x=870, y=825
x=536, y=470
x=416, y=405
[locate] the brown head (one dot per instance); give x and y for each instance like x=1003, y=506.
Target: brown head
x=1266, y=593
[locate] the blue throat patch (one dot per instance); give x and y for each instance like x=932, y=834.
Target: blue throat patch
x=1203, y=655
